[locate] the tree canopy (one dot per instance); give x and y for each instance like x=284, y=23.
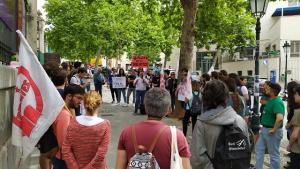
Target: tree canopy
x=81, y=28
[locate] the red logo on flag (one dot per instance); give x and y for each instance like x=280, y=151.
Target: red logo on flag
x=27, y=121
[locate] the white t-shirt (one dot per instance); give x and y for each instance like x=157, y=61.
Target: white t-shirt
x=89, y=120
x=244, y=90
x=75, y=80
x=139, y=84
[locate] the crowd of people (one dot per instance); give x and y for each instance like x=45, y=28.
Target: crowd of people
x=218, y=105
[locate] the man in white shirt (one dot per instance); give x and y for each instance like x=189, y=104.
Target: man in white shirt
x=141, y=84
x=77, y=78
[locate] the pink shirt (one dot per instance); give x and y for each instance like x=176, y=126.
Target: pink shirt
x=145, y=133
x=60, y=127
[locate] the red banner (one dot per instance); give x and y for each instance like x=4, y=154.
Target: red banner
x=139, y=62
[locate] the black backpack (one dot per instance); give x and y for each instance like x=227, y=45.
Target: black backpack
x=196, y=107
x=232, y=149
x=48, y=141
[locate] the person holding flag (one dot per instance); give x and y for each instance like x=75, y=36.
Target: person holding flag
x=37, y=103
x=184, y=91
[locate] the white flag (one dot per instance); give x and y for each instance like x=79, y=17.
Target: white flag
x=37, y=102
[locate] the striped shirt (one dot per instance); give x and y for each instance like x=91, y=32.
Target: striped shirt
x=86, y=146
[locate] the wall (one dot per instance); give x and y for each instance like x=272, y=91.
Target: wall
x=32, y=25
x=8, y=154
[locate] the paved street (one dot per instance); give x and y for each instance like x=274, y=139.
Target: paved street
x=121, y=117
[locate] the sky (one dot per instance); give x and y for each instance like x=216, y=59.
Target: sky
x=40, y=4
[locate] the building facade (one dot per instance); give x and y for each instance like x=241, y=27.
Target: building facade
x=280, y=24
x=16, y=15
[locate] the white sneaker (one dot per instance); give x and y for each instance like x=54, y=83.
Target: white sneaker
x=116, y=104
x=124, y=105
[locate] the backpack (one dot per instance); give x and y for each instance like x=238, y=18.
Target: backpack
x=48, y=141
x=196, y=107
x=142, y=159
x=232, y=149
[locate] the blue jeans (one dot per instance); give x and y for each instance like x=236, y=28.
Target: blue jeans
x=98, y=89
x=140, y=94
x=273, y=143
x=123, y=91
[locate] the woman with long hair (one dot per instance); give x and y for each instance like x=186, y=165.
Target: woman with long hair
x=88, y=137
x=235, y=100
x=122, y=90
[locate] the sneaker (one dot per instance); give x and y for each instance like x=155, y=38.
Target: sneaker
x=124, y=105
x=113, y=102
x=116, y=104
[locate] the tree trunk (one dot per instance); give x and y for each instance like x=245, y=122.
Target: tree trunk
x=166, y=59
x=187, y=33
x=219, y=58
x=97, y=58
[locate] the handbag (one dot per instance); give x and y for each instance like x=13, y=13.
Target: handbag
x=176, y=161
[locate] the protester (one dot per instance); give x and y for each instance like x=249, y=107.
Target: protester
x=244, y=91
x=141, y=84
x=87, y=78
x=47, y=149
x=192, y=105
x=172, y=86
x=224, y=73
x=235, y=100
x=157, y=104
x=204, y=79
x=271, y=132
x=209, y=124
x=99, y=81
x=184, y=89
x=113, y=91
x=73, y=96
x=77, y=78
x=294, y=143
x=59, y=80
x=88, y=137
x=131, y=87
x=122, y=90
x=214, y=75
x=291, y=106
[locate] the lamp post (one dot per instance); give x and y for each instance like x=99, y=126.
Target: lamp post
x=286, y=47
x=258, y=9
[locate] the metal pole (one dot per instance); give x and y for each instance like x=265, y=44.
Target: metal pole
x=286, y=57
x=255, y=119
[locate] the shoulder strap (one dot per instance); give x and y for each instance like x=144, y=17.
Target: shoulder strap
x=134, y=139
x=156, y=138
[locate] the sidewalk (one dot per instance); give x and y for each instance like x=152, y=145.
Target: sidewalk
x=120, y=117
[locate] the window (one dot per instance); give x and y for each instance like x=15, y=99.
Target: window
x=250, y=73
x=240, y=73
x=295, y=48
x=273, y=47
